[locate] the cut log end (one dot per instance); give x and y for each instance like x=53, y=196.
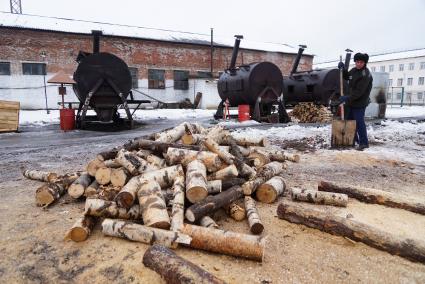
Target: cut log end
x=78, y=234
x=124, y=199
x=44, y=198
x=76, y=190
x=266, y=193
x=257, y=228
x=196, y=194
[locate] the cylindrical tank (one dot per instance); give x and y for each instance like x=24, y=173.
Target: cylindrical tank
x=106, y=66
x=242, y=86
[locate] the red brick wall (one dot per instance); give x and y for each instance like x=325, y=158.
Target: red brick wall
x=17, y=45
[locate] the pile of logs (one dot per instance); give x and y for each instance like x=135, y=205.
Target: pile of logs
x=165, y=190
x=310, y=113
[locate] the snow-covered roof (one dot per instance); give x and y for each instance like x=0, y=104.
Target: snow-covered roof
x=85, y=27
x=379, y=57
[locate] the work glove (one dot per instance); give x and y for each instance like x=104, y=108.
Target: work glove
x=344, y=99
x=341, y=65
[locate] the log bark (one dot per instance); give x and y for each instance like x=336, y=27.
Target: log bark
x=177, y=211
x=152, y=205
x=175, y=269
x=319, y=197
x=376, y=196
x=357, y=231
x=143, y=234
x=125, y=198
x=275, y=154
x=160, y=147
x=265, y=173
x=243, y=168
x=228, y=183
x=269, y=191
x=133, y=163
x=255, y=224
x=236, y=210
x=92, y=189
x=251, y=141
x=208, y=222
x=119, y=176
x=49, y=193
x=183, y=156
x=214, y=186
x=77, y=188
x=103, y=175
x=196, y=181
x=212, y=203
x=165, y=176
x=110, y=209
x=192, y=139
x=40, y=175
x=225, y=242
x=258, y=159
x=228, y=172
x=93, y=166
x=173, y=134
x=108, y=155
x=81, y=229
x=214, y=147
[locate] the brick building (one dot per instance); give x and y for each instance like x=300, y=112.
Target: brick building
x=167, y=65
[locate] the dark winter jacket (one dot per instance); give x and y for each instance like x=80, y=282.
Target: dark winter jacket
x=359, y=87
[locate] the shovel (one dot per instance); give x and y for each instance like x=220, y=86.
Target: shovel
x=343, y=131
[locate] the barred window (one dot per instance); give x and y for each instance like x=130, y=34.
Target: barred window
x=409, y=81
x=421, y=81
x=420, y=96
x=181, y=80
x=4, y=68
x=134, y=77
x=401, y=67
x=391, y=68
x=156, y=79
x=399, y=82
x=34, y=68
x=411, y=66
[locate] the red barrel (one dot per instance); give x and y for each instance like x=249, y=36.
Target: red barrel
x=243, y=113
x=67, y=119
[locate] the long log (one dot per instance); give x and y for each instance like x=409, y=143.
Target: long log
x=177, y=211
x=255, y=224
x=133, y=163
x=110, y=209
x=196, y=181
x=241, y=165
x=51, y=192
x=265, y=173
x=152, y=205
x=175, y=269
x=357, y=231
x=40, y=175
x=214, y=186
x=214, y=147
x=226, y=173
x=183, y=156
x=275, y=154
x=81, y=229
x=319, y=197
x=269, y=191
x=376, y=196
x=143, y=234
x=77, y=188
x=126, y=197
x=160, y=147
x=225, y=242
x=228, y=183
x=212, y=203
x=173, y=134
x=251, y=141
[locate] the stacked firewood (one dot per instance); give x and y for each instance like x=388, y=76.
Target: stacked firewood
x=164, y=190
x=310, y=113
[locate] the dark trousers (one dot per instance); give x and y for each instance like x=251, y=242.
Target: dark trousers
x=357, y=114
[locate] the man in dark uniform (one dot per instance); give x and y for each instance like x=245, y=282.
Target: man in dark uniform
x=359, y=87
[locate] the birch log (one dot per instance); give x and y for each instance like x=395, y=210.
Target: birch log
x=196, y=181
x=228, y=172
x=371, y=195
x=264, y=174
x=119, y=176
x=225, y=242
x=172, y=135
x=133, y=163
x=77, y=188
x=152, y=205
x=255, y=224
x=241, y=165
x=391, y=242
x=228, y=183
x=236, y=210
x=160, y=147
x=92, y=189
x=49, y=193
x=125, y=198
x=319, y=197
x=269, y=191
x=214, y=186
x=143, y=234
x=165, y=176
x=103, y=175
x=110, y=209
x=214, y=147
x=175, y=269
x=93, y=166
x=40, y=175
x=183, y=156
x=81, y=229
x=208, y=222
x=177, y=211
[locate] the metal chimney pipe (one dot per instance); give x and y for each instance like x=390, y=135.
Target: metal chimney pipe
x=298, y=58
x=347, y=58
x=96, y=38
x=235, y=51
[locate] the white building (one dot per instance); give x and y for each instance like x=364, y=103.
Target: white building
x=406, y=71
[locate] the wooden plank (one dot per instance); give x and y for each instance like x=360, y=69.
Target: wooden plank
x=8, y=127
x=5, y=111
x=11, y=122
x=9, y=105
x=11, y=117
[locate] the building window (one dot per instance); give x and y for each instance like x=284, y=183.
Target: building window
x=401, y=67
x=422, y=65
x=34, y=68
x=204, y=74
x=390, y=82
x=411, y=66
x=134, y=72
x=398, y=96
x=388, y=95
x=373, y=69
x=420, y=96
x=421, y=81
x=399, y=82
x=382, y=68
x=4, y=68
x=391, y=67
x=156, y=79
x=181, y=80
x=409, y=81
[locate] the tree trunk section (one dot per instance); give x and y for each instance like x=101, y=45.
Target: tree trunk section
x=133, y=163
x=152, y=205
x=77, y=188
x=165, y=177
x=92, y=189
x=208, y=222
x=177, y=211
x=255, y=224
x=264, y=174
x=125, y=198
x=244, y=170
x=258, y=159
x=226, y=173
x=357, y=231
x=251, y=141
x=228, y=183
x=40, y=175
x=49, y=193
x=214, y=186
x=212, y=203
x=319, y=197
x=236, y=210
x=81, y=229
x=225, y=242
x=376, y=196
x=196, y=181
x=110, y=209
x=173, y=134
x=269, y=191
x=183, y=156
x=175, y=269
x=160, y=147
x=143, y=234
x=103, y=175
x=119, y=176
x=215, y=148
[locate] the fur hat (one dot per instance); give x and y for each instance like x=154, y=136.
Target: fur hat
x=361, y=56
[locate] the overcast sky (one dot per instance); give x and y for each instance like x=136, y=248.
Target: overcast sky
x=327, y=27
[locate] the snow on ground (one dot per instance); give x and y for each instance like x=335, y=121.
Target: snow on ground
x=405, y=111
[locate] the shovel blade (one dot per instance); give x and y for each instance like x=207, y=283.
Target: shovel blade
x=343, y=132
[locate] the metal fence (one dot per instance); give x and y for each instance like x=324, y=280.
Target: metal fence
x=398, y=97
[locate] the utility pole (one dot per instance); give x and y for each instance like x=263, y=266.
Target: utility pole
x=15, y=7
